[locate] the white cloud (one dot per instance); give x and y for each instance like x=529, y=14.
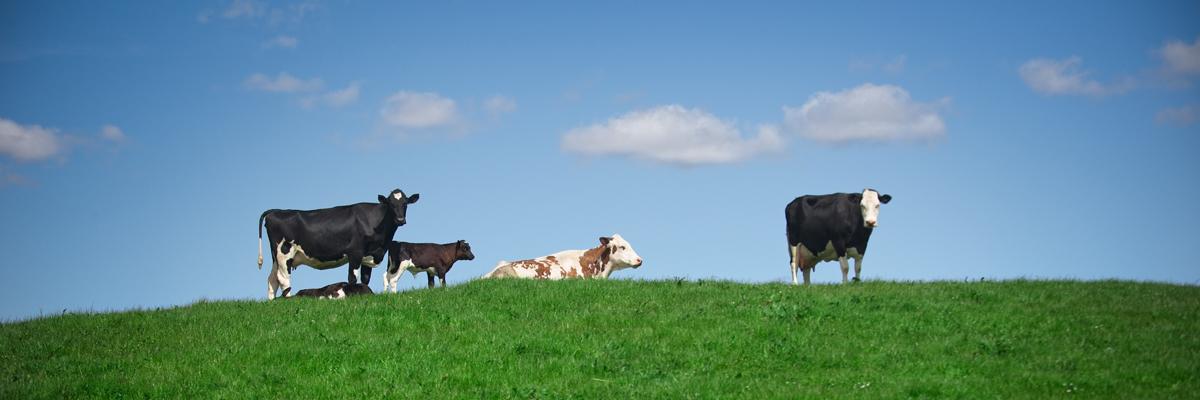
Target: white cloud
x=1180, y=57
x=1181, y=116
x=28, y=142
x=418, y=110
x=283, y=41
x=671, y=134
x=112, y=133
x=867, y=112
x=336, y=98
x=284, y=82
x=498, y=104
x=1057, y=77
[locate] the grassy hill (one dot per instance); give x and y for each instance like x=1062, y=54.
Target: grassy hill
x=631, y=339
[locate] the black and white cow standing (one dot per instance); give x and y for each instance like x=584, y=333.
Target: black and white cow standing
x=355, y=234
x=831, y=227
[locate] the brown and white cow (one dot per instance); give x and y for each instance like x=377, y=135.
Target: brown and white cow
x=613, y=253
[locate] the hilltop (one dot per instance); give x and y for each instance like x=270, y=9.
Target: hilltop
x=632, y=339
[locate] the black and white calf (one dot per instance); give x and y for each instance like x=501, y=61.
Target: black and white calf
x=831, y=227
x=431, y=258
x=338, y=290
x=355, y=234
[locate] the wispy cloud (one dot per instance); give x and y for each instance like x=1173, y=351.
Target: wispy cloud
x=112, y=133
x=26, y=143
x=498, y=104
x=1180, y=116
x=282, y=41
x=253, y=10
x=671, y=134
x=419, y=110
x=868, y=112
x=244, y=9
x=1066, y=77
x=336, y=98
x=30, y=143
x=9, y=178
x=1180, y=57
x=893, y=66
x=283, y=82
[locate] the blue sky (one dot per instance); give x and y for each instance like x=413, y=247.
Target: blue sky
x=140, y=141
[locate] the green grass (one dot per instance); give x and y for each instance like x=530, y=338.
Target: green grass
x=632, y=339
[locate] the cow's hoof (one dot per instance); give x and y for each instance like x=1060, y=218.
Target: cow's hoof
x=856, y=279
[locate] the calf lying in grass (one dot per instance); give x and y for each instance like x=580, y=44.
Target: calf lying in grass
x=431, y=258
x=332, y=291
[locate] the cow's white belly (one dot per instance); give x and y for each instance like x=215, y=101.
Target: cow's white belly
x=413, y=268
x=299, y=257
x=828, y=253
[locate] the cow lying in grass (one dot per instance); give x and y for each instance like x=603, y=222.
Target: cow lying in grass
x=430, y=258
x=613, y=253
x=338, y=290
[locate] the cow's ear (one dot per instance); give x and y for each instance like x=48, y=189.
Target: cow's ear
x=604, y=240
x=382, y=200
x=885, y=198
x=414, y=198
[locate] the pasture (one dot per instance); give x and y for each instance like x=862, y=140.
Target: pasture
x=632, y=339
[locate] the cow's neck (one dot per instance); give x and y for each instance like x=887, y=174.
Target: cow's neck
x=595, y=262
x=387, y=225
x=449, y=257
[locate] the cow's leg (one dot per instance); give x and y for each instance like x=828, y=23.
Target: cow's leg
x=272, y=283
x=279, y=269
x=390, y=279
x=857, y=267
x=352, y=275
x=442, y=277
x=807, y=273
x=364, y=273
x=795, y=264
x=284, y=276
x=429, y=274
x=845, y=268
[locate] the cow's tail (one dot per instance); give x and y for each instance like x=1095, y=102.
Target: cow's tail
x=260, y=226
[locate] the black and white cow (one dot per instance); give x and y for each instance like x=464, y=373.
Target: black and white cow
x=831, y=227
x=430, y=258
x=338, y=290
x=355, y=234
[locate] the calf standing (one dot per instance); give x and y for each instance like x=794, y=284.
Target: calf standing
x=612, y=254
x=431, y=258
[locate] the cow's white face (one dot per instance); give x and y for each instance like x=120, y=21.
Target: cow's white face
x=870, y=207
x=622, y=253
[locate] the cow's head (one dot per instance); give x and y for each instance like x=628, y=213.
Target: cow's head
x=621, y=253
x=398, y=203
x=871, y=200
x=462, y=251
